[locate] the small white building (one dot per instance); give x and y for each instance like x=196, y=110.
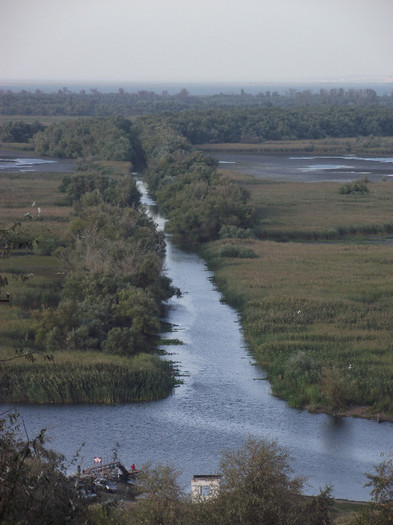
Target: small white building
x=205, y=486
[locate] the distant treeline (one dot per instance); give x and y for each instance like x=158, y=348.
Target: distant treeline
x=113, y=138
x=94, y=103
x=261, y=124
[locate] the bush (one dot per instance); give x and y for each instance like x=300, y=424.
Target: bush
x=233, y=232
x=34, y=488
x=354, y=187
x=46, y=245
x=119, y=341
x=239, y=252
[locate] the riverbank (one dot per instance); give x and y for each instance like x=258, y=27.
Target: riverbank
x=362, y=412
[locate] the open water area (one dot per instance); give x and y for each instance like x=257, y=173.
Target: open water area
x=307, y=168
x=24, y=162
x=224, y=399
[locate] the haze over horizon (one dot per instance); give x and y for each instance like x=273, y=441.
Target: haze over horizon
x=189, y=41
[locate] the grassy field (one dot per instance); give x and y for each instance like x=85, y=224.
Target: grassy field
x=317, y=313
x=291, y=211
x=34, y=283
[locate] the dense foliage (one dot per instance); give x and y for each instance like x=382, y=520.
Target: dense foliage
x=19, y=131
x=116, y=192
x=113, y=260
x=199, y=202
x=263, y=124
x=104, y=138
x=34, y=489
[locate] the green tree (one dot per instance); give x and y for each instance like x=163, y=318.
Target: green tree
x=34, y=489
x=257, y=486
x=163, y=500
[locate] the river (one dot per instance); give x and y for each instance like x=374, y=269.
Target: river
x=223, y=400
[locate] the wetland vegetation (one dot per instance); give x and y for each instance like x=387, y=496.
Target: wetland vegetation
x=308, y=266
x=315, y=308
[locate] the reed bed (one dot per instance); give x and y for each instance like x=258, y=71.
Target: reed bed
x=20, y=190
x=144, y=378
x=317, y=316
x=307, y=211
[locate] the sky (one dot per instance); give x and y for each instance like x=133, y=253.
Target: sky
x=202, y=41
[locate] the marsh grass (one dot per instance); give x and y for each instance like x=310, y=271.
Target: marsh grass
x=308, y=211
x=317, y=316
x=86, y=378
x=36, y=194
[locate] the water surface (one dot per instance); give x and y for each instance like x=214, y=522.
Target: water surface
x=307, y=168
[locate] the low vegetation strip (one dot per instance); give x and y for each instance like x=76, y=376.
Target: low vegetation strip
x=143, y=378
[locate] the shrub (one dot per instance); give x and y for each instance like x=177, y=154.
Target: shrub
x=46, y=245
x=119, y=341
x=240, y=252
x=354, y=187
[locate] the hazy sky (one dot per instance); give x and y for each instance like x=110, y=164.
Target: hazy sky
x=195, y=40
